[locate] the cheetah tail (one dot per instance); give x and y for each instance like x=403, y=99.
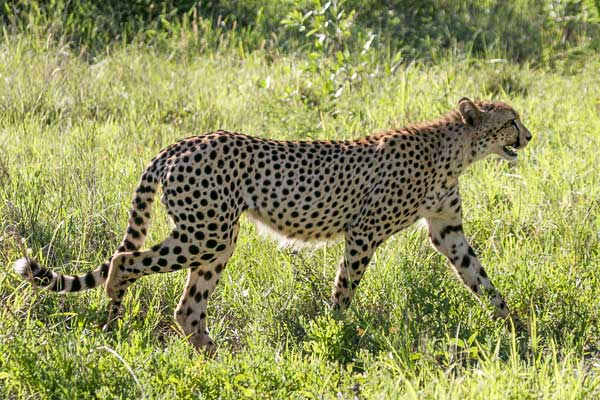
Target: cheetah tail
x=41, y=276
x=139, y=220
x=141, y=207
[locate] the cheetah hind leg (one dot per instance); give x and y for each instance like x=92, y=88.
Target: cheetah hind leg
x=191, y=311
x=115, y=290
x=127, y=267
x=351, y=268
x=202, y=280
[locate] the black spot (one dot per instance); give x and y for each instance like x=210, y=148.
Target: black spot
x=466, y=261
x=76, y=286
x=43, y=275
x=134, y=234
x=472, y=252
x=104, y=270
x=89, y=279
x=448, y=229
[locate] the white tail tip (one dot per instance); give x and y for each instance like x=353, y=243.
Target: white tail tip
x=24, y=267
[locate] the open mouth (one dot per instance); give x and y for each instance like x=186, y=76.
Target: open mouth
x=509, y=151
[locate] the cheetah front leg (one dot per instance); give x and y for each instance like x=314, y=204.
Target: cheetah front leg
x=448, y=238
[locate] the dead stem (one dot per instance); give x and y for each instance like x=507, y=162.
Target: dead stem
x=19, y=242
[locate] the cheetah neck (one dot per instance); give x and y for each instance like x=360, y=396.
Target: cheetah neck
x=455, y=146
x=454, y=153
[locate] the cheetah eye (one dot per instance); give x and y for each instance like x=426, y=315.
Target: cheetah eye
x=514, y=124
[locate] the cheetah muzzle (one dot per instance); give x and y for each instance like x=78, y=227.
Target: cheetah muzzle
x=361, y=190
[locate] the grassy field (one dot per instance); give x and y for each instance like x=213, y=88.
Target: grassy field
x=76, y=133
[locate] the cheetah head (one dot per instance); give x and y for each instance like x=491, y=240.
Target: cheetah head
x=496, y=128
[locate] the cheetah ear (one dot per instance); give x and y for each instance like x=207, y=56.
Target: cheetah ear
x=471, y=115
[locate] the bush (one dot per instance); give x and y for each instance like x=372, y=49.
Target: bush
x=523, y=30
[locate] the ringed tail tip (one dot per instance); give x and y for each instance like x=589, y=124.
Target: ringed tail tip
x=26, y=267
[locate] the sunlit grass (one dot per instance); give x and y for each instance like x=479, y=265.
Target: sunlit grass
x=75, y=137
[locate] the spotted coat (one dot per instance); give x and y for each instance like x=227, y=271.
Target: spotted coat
x=361, y=190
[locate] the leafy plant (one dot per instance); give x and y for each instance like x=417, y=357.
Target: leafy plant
x=337, y=54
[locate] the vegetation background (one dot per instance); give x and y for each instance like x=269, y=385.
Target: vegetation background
x=91, y=91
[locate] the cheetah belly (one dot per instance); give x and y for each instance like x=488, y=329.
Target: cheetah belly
x=312, y=209
x=306, y=193
x=306, y=222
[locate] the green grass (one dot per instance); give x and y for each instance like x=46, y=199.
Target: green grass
x=75, y=137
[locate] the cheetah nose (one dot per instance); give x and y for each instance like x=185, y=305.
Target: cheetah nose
x=528, y=136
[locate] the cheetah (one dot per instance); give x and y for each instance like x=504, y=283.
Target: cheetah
x=362, y=190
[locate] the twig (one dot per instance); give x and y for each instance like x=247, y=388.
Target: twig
x=15, y=231
x=113, y=352
x=20, y=245
x=7, y=307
